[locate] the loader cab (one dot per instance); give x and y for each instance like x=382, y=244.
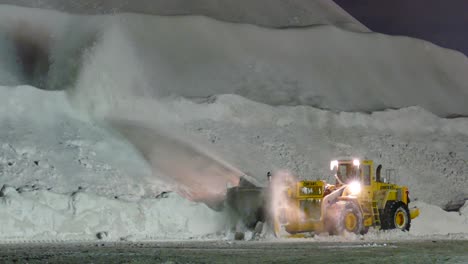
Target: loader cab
x=355, y=171
x=347, y=171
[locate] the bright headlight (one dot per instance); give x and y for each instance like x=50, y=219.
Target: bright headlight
x=356, y=162
x=333, y=164
x=354, y=188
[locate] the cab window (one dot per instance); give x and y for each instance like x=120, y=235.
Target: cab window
x=366, y=174
x=347, y=173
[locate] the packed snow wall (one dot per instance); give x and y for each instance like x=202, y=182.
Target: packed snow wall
x=244, y=98
x=68, y=178
x=63, y=177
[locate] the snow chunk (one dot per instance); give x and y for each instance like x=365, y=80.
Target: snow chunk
x=433, y=220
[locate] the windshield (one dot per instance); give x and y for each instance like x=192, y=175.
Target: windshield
x=347, y=172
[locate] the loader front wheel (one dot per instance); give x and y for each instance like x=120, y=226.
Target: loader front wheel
x=350, y=221
x=348, y=218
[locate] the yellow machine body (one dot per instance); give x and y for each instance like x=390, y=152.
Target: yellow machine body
x=306, y=203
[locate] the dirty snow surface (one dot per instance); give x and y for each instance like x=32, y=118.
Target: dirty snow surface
x=110, y=132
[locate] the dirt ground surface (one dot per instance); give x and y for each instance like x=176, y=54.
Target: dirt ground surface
x=434, y=251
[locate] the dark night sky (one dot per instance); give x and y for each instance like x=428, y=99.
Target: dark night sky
x=443, y=22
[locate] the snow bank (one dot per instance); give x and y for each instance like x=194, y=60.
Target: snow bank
x=435, y=221
x=41, y=214
x=253, y=136
x=105, y=57
x=276, y=67
x=270, y=13
x=44, y=143
x=74, y=179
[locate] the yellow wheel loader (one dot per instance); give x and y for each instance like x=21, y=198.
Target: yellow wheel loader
x=360, y=198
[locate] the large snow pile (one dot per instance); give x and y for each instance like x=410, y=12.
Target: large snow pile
x=270, y=13
x=321, y=66
x=43, y=143
x=68, y=178
x=188, y=104
x=52, y=157
x=41, y=214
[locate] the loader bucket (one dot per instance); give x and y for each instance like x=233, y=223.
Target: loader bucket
x=248, y=202
x=414, y=212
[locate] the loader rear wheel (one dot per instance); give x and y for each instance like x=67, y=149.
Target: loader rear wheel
x=348, y=218
x=396, y=216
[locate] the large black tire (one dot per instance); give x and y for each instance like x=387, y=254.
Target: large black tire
x=344, y=217
x=396, y=215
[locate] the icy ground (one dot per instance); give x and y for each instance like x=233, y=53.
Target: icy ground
x=196, y=104
x=418, y=252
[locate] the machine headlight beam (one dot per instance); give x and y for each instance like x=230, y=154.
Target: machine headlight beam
x=356, y=162
x=354, y=188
